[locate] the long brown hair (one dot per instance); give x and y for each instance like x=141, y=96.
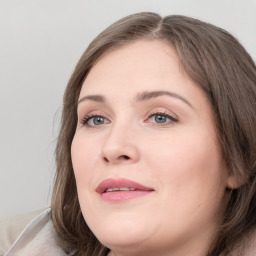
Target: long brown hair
x=223, y=69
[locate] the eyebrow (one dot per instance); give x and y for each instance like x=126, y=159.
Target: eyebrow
x=147, y=95
x=142, y=96
x=97, y=98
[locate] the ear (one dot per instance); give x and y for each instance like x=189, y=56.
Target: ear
x=232, y=181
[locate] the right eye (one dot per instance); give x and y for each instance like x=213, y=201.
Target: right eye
x=94, y=120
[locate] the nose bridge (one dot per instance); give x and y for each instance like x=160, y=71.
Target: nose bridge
x=120, y=144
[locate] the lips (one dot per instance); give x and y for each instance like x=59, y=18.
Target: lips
x=117, y=190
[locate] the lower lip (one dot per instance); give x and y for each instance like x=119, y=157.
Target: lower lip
x=120, y=196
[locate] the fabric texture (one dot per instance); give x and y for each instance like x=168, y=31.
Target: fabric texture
x=38, y=239
x=12, y=226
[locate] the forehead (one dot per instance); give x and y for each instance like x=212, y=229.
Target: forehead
x=141, y=63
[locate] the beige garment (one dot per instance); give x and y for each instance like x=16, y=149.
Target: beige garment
x=11, y=228
x=38, y=239
x=248, y=247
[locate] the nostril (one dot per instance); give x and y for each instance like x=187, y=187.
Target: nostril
x=125, y=157
x=105, y=159
x=113, y=159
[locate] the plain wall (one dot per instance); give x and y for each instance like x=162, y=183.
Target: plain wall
x=40, y=43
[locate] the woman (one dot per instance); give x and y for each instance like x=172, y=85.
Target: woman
x=157, y=148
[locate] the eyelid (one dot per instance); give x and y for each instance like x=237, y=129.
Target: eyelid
x=173, y=118
x=83, y=117
x=86, y=119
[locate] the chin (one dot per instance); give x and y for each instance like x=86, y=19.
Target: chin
x=122, y=234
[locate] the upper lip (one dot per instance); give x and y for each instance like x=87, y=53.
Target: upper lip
x=120, y=183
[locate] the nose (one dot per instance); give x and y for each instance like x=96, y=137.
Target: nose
x=120, y=146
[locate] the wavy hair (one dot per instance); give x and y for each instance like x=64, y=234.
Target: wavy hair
x=222, y=68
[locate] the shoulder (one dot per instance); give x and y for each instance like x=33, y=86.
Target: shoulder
x=38, y=238
x=247, y=247
x=12, y=226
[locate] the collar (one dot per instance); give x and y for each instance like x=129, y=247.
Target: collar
x=38, y=239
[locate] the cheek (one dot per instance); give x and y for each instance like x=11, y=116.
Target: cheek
x=188, y=165
x=84, y=156
x=190, y=181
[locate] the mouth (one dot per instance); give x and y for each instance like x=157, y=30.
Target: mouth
x=118, y=190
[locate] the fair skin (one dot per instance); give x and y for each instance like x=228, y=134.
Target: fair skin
x=164, y=141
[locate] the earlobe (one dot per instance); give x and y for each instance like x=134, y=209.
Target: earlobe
x=232, y=182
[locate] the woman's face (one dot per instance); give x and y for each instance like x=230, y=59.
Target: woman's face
x=145, y=154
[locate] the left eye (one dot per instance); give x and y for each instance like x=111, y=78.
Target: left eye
x=159, y=118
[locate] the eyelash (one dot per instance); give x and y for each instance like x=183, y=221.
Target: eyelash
x=86, y=119
x=163, y=114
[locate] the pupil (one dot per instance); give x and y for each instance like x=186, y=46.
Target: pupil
x=160, y=119
x=98, y=120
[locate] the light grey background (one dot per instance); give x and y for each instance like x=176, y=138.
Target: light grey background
x=40, y=43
